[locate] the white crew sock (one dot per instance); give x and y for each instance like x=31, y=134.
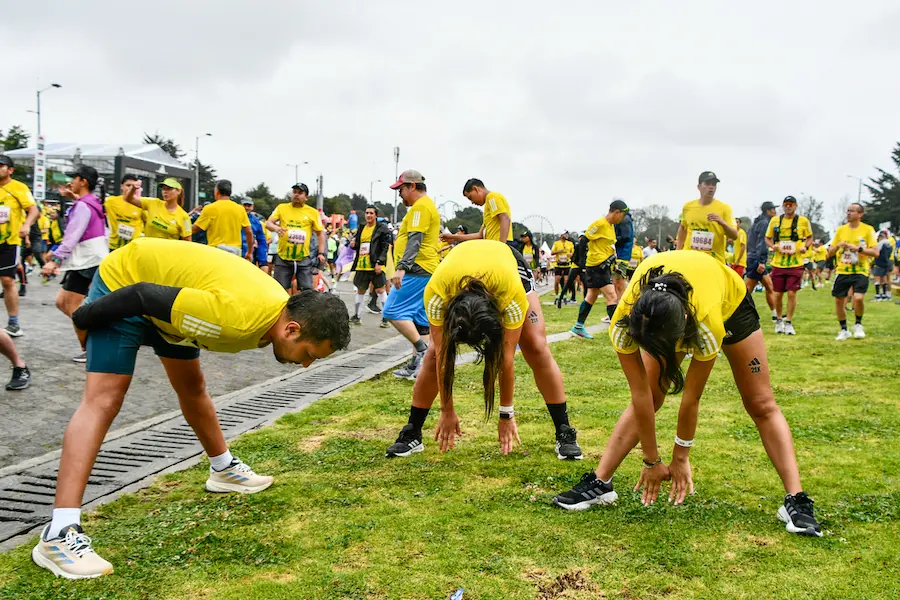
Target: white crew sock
x=360, y=298
x=382, y=298
x=221, y=461
x=63, y=517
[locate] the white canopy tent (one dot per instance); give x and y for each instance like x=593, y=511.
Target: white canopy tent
x=102, y=157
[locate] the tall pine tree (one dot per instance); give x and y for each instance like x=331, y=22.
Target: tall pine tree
x=885, y=194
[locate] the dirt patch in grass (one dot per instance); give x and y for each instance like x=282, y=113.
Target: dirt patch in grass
x=575, y=583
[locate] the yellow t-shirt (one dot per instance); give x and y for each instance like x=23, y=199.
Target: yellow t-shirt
x=847, y=261
x=55, y=232
x=494, y=265
x=637, y=255
x=44, y=224
x=300, y=223
x=701, y=234
x=226, y=304
x=126, y=221
x=421, y=217
x=160, y=223
x=223, y=221
x=601, y=237
x=717, y=292
x=365, y=240
x=740, y=243
x=528, y=253
x=820, y=253
x=564, y=260
x=495, y=204
x=15, y=200
x=789, y=253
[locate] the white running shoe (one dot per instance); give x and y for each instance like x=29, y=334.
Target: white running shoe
x=237, y=477
x=779, y=326
x=858, y=331
x=789, y=329
x=843, y=335
x=70, y=555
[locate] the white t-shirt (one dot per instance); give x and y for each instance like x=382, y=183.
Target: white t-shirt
x=648, y=252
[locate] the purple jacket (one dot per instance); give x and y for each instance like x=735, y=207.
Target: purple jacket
x=85, y=222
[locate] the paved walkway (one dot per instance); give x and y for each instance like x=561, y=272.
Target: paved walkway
x=36, y=418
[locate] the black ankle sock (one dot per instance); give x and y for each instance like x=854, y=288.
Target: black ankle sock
x=417, y=417
x=559, y=415
x=420, y=345
x=611, y=309
x=844, y=324
x=584, y=311
x=859, y=319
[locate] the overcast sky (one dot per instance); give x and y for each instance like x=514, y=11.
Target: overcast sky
x=560, y=109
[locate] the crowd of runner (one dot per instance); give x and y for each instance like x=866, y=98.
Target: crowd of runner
x=129, y=278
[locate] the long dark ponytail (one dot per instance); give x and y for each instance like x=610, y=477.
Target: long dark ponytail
x=473, y=319
x=660, y=318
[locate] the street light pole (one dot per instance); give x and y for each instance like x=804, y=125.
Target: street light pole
x=297, y=169
x=396, y=174
x=197, y=168
x=51, y=86
x=371, y=190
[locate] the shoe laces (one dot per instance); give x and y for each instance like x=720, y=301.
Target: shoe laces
x=567, y=436
x=801, y=503
x=407, y=434
x=78, y=543
x=242, y=467
x=588, y=480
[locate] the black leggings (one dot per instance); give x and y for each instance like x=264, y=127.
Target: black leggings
x=571, y=283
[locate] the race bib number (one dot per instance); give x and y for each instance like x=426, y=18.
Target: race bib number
x=789, y=247
x=4, y=215
x=528, y=258
x=805, y=261
x=702, y=240
x=849, y=258
x=563, y=259
x=364, y=249
x=296, y=236
x=632, y=264
x=126, y=232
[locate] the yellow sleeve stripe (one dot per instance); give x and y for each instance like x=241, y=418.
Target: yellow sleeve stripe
x=708, y=344
x=513, y=313
x=435, y=309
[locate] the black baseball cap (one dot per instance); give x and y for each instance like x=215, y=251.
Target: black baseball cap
x=87, y=173
x=766, y=206
x=789, y=199
x=302, y=187
x=7, y=160
x=618, y=205
x=707, y=176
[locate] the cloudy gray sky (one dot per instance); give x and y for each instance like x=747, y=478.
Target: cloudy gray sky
x=558, y=108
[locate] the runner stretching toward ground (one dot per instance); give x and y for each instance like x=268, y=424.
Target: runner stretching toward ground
x=682, y=302
x=483, y=295
x=177, y=298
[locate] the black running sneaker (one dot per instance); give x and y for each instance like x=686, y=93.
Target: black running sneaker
x=23, y=291
x=354, y=320
x=586, y=493
x=21, y=379
x=797, y=514
x=409, y=442
x=567, y=447
x=559, y=301
x=372, y=306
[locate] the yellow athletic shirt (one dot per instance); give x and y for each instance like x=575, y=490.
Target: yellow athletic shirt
x=15, y=200
x=601, y=237
x=704, y=235
x=300, y=223
x=564, y=260
x=491, y=262
x=495, y=204
x=224, y=222
x=717, y=292
x=789, y=253
x=422, y=217
x=365, y=241
x=160, y=223
x=847, y=261
x=226, y=304
x=126, y=221
x=741, y=242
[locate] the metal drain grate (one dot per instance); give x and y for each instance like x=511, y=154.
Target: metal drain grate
x=26, y=500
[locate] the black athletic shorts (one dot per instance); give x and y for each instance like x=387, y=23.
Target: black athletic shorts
x=843, y=283
x=810, y=266
x=78, y=281
x=743, y=322
x=362, y=279
x=629, y=273
x=597, y=277
x=9, y=259
x=829, y=262
x=561, y=271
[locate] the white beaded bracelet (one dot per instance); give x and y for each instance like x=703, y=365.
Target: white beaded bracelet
x=506, y=410
x=683, y=443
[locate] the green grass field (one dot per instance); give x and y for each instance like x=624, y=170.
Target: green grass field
x=341, y=521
